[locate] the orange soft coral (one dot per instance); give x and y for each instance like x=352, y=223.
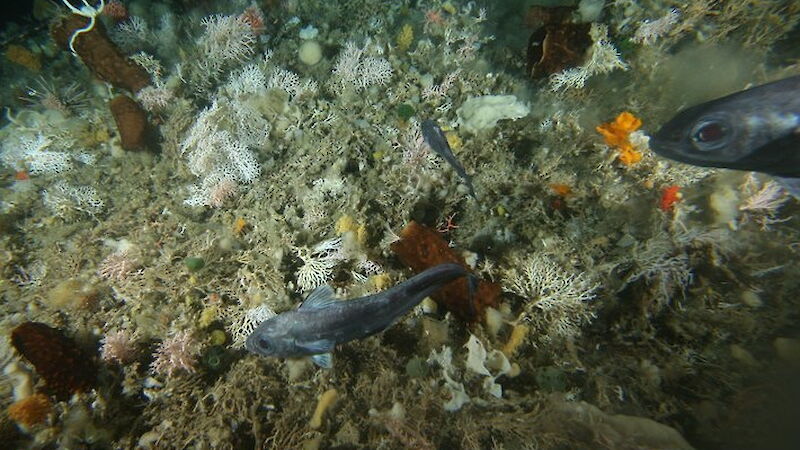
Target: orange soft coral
x=616, y=135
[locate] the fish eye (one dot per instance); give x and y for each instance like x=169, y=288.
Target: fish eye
x=263, y=343
x=709, y=135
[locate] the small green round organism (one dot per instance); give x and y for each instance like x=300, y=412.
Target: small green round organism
x=215, y=359
x=194, y=263
x=405, y=111
x=416, y=367
x=217, y=337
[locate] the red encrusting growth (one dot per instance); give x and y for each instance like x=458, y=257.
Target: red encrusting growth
x=421, y=248
x=669, y=196
x=65, y=368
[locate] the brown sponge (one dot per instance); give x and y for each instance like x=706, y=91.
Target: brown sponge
x=100, y=54
x=131, y=122
x=66, y=369
x=420, y=248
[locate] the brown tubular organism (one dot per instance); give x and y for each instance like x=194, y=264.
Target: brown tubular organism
x=420, y=248
x=65, y=368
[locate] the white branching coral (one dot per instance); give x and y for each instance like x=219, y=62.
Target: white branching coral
x=365, y=268
x=318, y=263
x=62, y=197
x=603, y=58
x=762, y=202
x=439, y=91
x=177, y=352
x=417, y=154
x=660, y=262
x=118, y=265
x=321, y=200
x=226, y=38
x=557, y=298
x=650, y=31
x=32, y=153
x=221, y=158
x=243, y=324
x=248, y=81
x=132, y=33
x=355, y=71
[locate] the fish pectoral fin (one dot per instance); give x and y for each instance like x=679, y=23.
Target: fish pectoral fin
x=319, y=298
x=315, y=347
x=324, y=360
x=792, y=185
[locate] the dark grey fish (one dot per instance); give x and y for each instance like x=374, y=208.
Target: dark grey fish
x=322, y=322
x=435, y=137
x=757, y=129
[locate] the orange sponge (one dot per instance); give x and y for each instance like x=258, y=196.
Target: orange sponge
x=616, y=135
x=31, y=410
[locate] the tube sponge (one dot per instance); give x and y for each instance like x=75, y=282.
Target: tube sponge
x=327, y=399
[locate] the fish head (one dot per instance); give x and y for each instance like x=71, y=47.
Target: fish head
x=273, y=337
x=703, y=137
x=756, y=129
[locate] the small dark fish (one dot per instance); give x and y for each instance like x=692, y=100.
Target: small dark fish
x=435, y=137
x=757, y=129
x=322, y=322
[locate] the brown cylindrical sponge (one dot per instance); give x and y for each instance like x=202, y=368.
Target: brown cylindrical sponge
x=131, y=122
x=100, y=54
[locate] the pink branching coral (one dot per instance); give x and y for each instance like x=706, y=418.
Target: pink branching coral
x=178, y=352
x=117, y=265
x=118, y=346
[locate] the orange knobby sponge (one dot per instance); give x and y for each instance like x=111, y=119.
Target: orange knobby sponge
x=24, y=57
x=616, y=135
x=421, y=248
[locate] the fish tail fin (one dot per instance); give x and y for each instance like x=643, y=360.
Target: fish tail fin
x=472, y=289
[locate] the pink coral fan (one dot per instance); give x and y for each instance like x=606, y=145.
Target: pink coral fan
x=178, y=352
x=253, y=17
x=117, y=266
x=116, y=11
x=118, y=346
